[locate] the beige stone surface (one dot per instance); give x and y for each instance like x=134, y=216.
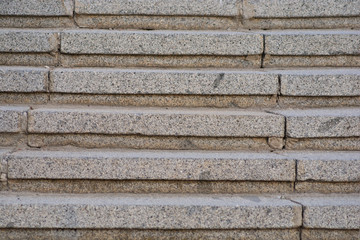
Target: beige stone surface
x=327, y=187
x=24, y=98
x=36, y=22
x=319, y=234
x=317, y=102
x=339, y=144
x=13, y=139
x=13, y=119
x=29, y=59
x=156, y=121
x=149, y=186
x=148, y=211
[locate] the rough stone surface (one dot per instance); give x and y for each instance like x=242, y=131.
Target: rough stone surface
x=326, y=82
x=320, y=234
x=36, y=22
x=317, y=102
x=331, y=212
x=35, y=41
x=24, y=98
x=336, y=144
x=172, y=165
x=37, y=7
x=160, y=7
x=23, y=79
x=3, y=162
x=148, y=186
x=311, y=42
x=156, y=121
x=92, y=234
x=327, y=166
x=327, y=187
x=12, y=119
x=152, y=81
x=300, y=9
x=29, y=59
x=147, y=212
x=161, y=42
x=312, y=123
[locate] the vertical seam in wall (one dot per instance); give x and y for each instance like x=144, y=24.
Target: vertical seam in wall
x=278, y=91
x=241, y=12
x=74, y=15
x=263, y=53
x=302, y=216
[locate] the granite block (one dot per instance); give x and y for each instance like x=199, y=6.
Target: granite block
x=331, y=212
x=159, y=7
x=147, y=211
x=324, y=82
x=36, y=8
x=161, y=42
x=13, y=119
x=29, y=41
x=155, y=165
x=156, y=121
x=153, y=81
x=330, y=122
x=23, y=79
x=300, y=9
x=312, y=42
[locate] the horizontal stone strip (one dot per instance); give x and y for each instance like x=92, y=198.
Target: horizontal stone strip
x=311, y=42
x=161, y=42
x=23, y=79
x=300, y=9
x=152, y=81
x=331, y=122
x=153, y=211
x=147, y=165
x=159, y=7
x=36, y=41
x=326, y=82
x=36, y=7
x=13, y=119
x=156, y=121
x=331, y=212
x=327, y=166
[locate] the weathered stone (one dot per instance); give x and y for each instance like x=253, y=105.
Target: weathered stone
x=300, y=9
x=156, y=121
x=36, y=22
x=327, y=166
x=329, y=82
x=29, y=59
x=3, y=162
x=161, y=42
x=34, y=41
x=156, y=165
x=312, y=123
x=317, y=102
x=152, y=81
x=331, y=212
x=320, y=234
x=311, y=42
x=13, y=119
x=160, y=7
x=147, y=211
x=327, y=187
x=23, y=79
x=37, y=7
x=24, y=98
x=336, y=144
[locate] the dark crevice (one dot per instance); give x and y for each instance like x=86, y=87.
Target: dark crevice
x=263, y=53
x=279, y=91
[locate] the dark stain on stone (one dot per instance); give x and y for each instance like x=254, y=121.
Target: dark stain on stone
x=218, y=80
x=326, y=126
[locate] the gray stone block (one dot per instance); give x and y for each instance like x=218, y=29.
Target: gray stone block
x=300, y=9
x=34, y=41
x=147, y=211
x=311, y=42
x=36, y=7
x=327, y=166
x=312, y=123
x=161, y=42
x=13, y=119
x=331, y=212
x=159, y=7
x=152, y=81
x=147, y=165
x=329, y=82
x=3, y=161
x=156, y=121
x=23, y=79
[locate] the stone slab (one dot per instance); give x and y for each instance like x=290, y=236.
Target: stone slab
x=331, y=212
x=147, y=211
x=300, y=9
x=312, y=43
x=161, y=42
x=156, y=121
x=3, y=162
x=159, y=7
x=155, y=165
x=153, y=81
x=325, y=122
x=34, y=41
x=320, y=234
x=23, y=79
x=13, y=119
x=36, y=8
x=324, y=82
x=331, y=166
